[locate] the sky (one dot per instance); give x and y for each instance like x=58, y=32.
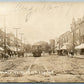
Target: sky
x=39, y=21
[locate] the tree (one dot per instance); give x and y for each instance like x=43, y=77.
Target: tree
x=27, y=48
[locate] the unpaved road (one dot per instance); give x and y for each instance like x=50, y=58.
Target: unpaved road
x=47, y=68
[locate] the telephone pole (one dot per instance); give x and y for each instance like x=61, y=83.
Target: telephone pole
x=73, y=41
x=17, y=38
x=4, y=35
x=21, y=40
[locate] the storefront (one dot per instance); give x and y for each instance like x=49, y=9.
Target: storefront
x=64, y=50
x=1, y=50
x=80, y=49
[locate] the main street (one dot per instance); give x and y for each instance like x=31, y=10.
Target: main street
x=48, y=68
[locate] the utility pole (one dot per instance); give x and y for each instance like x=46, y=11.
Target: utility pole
x=4, y=36
x=17, y=38
x=21, y=40
x=73, y=31
x=24, y=45
x=59, y=47
x=74, y=38
x=59, y=43
x=73, y=42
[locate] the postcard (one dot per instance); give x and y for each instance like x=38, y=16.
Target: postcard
x=41, y=41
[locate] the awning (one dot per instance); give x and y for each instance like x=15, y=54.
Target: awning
x=57, y=48
x=81, y=46
x=1, y=49
x=64, y=47
x=19, y=49
x=14, y=49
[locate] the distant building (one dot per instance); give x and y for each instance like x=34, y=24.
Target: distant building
x=56, y=43
x=64, y=39
x=52, y=45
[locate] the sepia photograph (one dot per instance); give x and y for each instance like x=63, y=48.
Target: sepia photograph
x=41, y=41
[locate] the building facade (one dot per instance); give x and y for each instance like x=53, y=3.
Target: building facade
x=72, y=38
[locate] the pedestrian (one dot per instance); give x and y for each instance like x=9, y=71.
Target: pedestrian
x=72, y=53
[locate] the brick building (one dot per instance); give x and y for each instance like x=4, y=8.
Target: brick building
x=77, y=28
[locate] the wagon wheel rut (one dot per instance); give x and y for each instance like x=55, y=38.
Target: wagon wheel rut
x=40, y=66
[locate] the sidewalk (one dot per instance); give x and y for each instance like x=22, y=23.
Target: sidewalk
x=79, y=56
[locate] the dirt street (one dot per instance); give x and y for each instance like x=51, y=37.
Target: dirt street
x=47, y=68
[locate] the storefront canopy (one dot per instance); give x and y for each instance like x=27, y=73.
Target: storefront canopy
x=64, y=47
x=57, y=49
x=14, y=49
x=81, y=46
x=1, y=49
